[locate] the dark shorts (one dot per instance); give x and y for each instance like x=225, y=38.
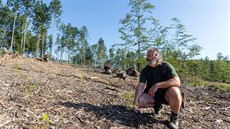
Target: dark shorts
x=159, y=97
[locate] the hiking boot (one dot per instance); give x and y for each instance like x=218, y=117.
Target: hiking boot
x=158, y=110
x=174, y=123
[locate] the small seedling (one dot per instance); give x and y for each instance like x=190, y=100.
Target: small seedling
x=30, y=88
x=45, y=118
x=129, y=96
x=81, y=78
x=16, y=65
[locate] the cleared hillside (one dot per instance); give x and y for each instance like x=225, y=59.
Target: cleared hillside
x=36, y=94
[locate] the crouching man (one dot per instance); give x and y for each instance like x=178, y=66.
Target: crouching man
x=159, y=84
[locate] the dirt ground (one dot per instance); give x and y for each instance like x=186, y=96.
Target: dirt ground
x=36, y=94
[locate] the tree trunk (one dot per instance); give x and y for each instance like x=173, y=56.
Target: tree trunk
x=68, y=55
x=73, y=55
x=4, y=35
x=37, y=46
x=25, y=31
x=138, y=46
x=61, y=56
x=51, y=49
x=12, y=38
x=43, y=42
x=84, y=54
x=21, y=41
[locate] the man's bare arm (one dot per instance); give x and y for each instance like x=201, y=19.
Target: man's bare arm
x=139, y=90
x=173, y=82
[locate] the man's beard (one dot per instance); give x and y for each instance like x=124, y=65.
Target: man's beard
x=152, y=62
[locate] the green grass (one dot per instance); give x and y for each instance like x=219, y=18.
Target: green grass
x=45, y=119
x=198, y=82
x=30, y=88
x=221, y=86
x=81, y=78
x=129, y=96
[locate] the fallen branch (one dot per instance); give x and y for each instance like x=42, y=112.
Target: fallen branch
x=3, y=105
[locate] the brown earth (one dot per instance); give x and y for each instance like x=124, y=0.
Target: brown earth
x=68, y=97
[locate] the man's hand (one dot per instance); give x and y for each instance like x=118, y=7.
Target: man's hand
x=153, y=89
x=136, y=107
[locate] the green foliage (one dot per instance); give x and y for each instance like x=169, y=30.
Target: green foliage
x=142, y=62
x=181, y=41
x=195, y=81
x=129, y=96
x=158, y=35
x=134, y=30
x=222, y=87
x=83, y=45
x=30, y=88
x=81, y=78
x=101, y=52
x=16, y=65
x=220, y=56
x=93, y=49
x=4, y=51
x=56, y=9
x=139, y=31
x=45, y=119
x=120, y=58
x=88, y=55
x=209, y=70
x=41, y=22
x=111, y=55
x=175, y=44
x=219, y=86
x=130, y=58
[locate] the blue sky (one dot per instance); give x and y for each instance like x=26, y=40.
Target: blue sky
x=206, y=20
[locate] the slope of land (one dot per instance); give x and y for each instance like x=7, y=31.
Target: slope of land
x=36, y=94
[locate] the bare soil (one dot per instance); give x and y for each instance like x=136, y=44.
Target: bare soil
x=36, y=94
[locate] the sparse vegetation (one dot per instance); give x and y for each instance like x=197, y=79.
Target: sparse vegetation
x=221, y=86
x=78, y=97
x=45, y=119
x=16, y=65
x=104, y=101
x=4, y=51
x=30, y=88
x=129, y=96
x=81, y=78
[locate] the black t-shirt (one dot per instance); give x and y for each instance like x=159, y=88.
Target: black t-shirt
x=160, y=73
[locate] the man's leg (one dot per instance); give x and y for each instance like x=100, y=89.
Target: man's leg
x=146, y=101
x=174, y=98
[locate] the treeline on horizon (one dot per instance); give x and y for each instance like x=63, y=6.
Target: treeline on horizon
x=24, y=28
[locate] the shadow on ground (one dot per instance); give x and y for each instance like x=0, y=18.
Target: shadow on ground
x=118, y=113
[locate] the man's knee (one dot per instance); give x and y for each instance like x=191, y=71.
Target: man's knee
x=142, y=101
x=173, y=93
x=145, y=100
